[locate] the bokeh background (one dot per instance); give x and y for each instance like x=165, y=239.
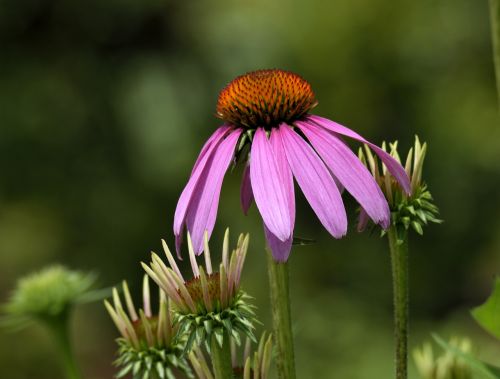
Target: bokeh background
x=104, y=105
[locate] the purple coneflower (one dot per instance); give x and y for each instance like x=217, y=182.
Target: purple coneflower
x=269, y=111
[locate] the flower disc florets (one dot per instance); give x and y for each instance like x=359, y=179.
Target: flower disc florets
x=211, y=302
x=265, y=98
x=195, y=288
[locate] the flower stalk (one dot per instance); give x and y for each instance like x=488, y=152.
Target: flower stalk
x=221, y=357
x=60, y=333
x=399, y=263
x=282, y=320
x=495, y=36
x=409, y=211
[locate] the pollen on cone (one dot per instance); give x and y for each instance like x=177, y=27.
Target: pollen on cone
x=265, y=98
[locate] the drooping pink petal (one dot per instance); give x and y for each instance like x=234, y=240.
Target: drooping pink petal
x=268, y=190
x=285, y=172
x=279, y=249
x=216, y=136
x=392, y=165
x=338, y=183
x=187, y=193
x=362, y=220
x=315, y=181
x=204, y=202
x=246, y=194
x=346, y=166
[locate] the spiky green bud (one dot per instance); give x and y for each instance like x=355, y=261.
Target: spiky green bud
x=210, y=302
x=147, y=347
x=413, y=211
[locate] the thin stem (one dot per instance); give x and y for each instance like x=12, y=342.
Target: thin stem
x=282, y=323
x=399, y=262
x=60, y=332
x=495, y=35
x=221, y=357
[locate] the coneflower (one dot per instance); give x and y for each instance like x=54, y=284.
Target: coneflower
x=268, y=126
x=148, y=346
x=266, y=118
x=209, y=308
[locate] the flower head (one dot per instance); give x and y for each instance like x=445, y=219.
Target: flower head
x=48, y=295
x=267, y=120
x=253, y=366
x=408, y=211
x=210, y=302
x=148, y=347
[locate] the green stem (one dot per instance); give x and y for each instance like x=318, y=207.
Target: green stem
x=399, y=262
x=221, y=357
x=495, y=34
x=60, y=332
x=282, y=323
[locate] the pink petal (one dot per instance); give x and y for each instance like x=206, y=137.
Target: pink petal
x=213, y=139
x=285, y=172
x=269, y=192
x=246, y=194
x=204, y=202
x=187, y=193
x=279, y=249
x=315, y=181
x=353, y=174
x=392, y=165
x=362, y=220
x=338, y=183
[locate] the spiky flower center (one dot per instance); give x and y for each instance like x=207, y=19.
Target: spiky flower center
x=265, y=98
x=194, y=287
x=140, y=328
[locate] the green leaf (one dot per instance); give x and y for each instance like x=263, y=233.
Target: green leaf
x=487, y=371
x=94, y=295
x=488, y=314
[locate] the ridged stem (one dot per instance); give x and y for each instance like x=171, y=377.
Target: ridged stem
x=495, y=36
x=221, y=357
x=282, y=323
x=399, y=263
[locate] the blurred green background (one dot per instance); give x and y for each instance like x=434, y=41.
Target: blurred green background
x=104, y=105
